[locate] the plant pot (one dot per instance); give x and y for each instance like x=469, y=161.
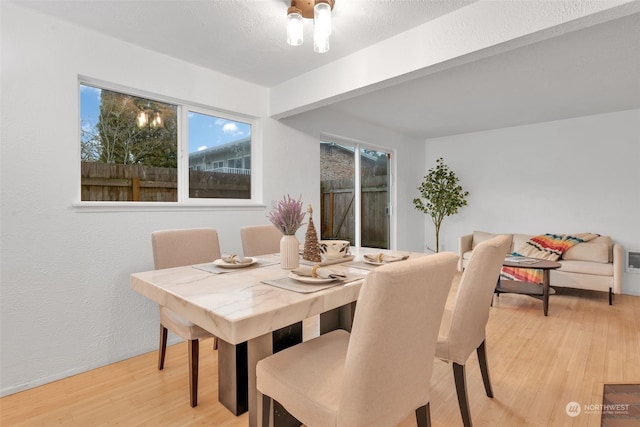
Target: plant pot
x=289, y=252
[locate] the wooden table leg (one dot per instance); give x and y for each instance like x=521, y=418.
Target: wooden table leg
x=545, y=291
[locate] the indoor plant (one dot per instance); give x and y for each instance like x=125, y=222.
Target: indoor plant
x=442, y=195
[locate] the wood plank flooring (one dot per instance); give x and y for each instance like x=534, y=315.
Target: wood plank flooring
x=538, y=365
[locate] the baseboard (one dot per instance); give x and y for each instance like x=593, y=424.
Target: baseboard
x=75, y=371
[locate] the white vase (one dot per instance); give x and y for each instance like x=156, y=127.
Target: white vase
x=289, y=252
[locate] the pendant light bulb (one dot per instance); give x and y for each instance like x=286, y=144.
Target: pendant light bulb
x=322, y=17
x=321, y=26
x=294, y=27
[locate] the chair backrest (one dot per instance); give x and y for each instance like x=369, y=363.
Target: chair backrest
x=473, y=301
x=392, y=345
x=175, y=248
x=260, y=239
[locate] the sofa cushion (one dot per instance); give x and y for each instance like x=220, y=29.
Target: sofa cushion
x=589, y=251
x=481, y=236
x=587, y=267
x=519, y=240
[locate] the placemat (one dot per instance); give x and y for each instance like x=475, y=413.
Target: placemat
x=328, y=261
x=212, y=268
x=366, y=266
x=361, y=265
x=304, y=288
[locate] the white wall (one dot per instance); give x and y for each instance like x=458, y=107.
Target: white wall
x=66, y=305
x=65, y=301
x=408, y=153
x=565, y=176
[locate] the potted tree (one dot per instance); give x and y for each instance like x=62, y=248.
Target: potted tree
x=440, y=195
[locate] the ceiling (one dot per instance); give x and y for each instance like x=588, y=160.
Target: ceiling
x=591, y=71
x=588, y=71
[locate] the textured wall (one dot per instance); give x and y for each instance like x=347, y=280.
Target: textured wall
x=66, y=305
x=566, y=176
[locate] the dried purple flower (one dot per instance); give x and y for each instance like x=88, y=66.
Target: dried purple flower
x=288, y=215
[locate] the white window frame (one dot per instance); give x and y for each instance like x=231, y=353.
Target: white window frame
x=183, y=199
x=358, y=145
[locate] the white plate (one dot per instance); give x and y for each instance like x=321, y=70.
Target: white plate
x=310, y=280
x=366, y=261
x=222, y=263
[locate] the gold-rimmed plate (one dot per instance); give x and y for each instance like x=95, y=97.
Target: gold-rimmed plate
x=311, y=280
x=224, y=264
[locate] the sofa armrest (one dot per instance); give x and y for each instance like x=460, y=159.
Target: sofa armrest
x=618, y=260
x=465, y=244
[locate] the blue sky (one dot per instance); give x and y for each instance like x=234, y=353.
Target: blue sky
x=204, y=131
x=207, y=131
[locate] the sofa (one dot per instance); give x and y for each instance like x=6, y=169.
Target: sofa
x=595, y=265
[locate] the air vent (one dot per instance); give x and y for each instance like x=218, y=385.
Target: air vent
x=633, y=261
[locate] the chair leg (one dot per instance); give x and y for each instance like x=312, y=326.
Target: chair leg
x=423, y=416
x=266, y=410
x=484, y=368
x=610, y=296
x=194, y=351
x=162, y=347
x=461, y=389
x=215, y=343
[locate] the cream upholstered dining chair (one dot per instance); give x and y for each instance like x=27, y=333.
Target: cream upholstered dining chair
x=260, y=239
x=175, y=248
x=341, y=379
x=463, y=325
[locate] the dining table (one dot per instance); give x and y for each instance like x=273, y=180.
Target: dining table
x=258, y=310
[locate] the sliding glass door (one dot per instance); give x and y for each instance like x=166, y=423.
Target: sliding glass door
x=355, y=193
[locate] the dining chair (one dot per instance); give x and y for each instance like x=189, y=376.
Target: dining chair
x=260, y=239
x=348, y=379
x=463, y=325
x=175, y=248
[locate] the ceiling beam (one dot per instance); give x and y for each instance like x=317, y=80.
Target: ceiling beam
x=480, y=30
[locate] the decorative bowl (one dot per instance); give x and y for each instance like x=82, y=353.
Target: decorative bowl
x=334, y=249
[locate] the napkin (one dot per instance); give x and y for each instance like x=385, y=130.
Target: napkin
x=235, y=259
x=317, y=271
x=384, y=258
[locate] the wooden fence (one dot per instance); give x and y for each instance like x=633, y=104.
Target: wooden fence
x=121, y=183
x=336, y=204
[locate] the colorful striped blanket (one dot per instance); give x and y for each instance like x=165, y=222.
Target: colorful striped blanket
x=545, y=246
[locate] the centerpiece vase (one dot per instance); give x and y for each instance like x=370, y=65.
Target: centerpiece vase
x=289, y=252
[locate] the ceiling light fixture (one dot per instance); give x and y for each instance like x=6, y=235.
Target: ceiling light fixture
x=320, y=12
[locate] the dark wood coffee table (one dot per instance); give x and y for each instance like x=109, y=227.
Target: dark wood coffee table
x=529, y=288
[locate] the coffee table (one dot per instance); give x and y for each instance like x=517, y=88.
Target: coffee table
x=529, y=288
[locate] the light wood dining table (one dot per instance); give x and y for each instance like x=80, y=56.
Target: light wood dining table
x=253, y=319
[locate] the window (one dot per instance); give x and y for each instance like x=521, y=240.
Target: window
x=214, y=141
x=355, y=193
x=132, y=145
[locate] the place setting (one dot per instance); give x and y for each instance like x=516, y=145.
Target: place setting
x=230, y=262
x=371, y=261
x=312, y=278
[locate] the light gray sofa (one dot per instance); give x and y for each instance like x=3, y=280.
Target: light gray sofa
x=594, y=265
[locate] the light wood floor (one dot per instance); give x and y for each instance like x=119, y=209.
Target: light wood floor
x=538, y=365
